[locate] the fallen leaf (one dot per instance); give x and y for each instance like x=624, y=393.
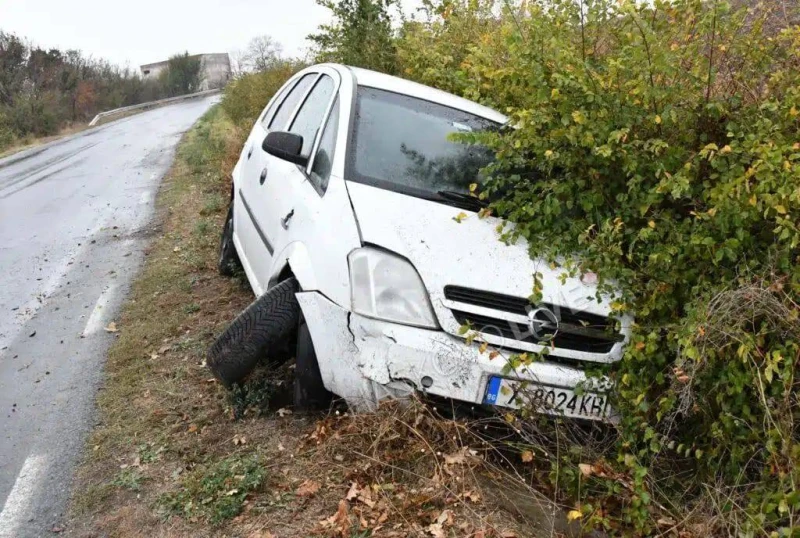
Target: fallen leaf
x=587, y=470
x=472, y=496
x=435, y=530
x=282, y=412
x=527, y=456
x=239, y=440
x=232, y=492
x=461, y=216
x=352, y=493
x=307, y=488
x=192, y=428
x=339, y=521
x=666, y=522
x=446, y=517
x=572, y=515
x=111, y=328
x=464, y=456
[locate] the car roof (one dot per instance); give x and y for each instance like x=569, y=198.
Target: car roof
x=381, y=81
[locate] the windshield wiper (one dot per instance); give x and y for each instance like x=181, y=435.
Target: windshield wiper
x=468, y=200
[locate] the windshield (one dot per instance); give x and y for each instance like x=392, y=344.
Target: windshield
x=404, y=144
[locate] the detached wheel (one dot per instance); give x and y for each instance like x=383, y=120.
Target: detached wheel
x=309, y=390
x=257, y=333
x=228, y=258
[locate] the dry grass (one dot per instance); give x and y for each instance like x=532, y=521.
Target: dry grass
x=31, y=142
x=169, y=459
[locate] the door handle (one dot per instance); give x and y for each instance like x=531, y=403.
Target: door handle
x=285, y=220
x=263, y=176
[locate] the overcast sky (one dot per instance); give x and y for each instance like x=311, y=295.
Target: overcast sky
x=144, y=31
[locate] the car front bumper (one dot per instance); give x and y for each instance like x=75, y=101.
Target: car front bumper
x=365, y=360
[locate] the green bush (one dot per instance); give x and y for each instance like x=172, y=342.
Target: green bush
x=182, y=75
x=661, y=148
x=246, y=97
x=6, y=133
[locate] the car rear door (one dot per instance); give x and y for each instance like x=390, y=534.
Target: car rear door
x=258, y=190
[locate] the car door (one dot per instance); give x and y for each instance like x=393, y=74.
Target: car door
x=255, y=214
x=297, y=191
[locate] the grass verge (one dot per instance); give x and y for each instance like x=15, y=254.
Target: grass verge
x=31, y=141
x=175, y=455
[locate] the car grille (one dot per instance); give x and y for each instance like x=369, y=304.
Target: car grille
x=579, y=331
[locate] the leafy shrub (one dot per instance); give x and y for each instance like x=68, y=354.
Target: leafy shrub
x=6, y=133
x=182, y=75
x=660, y=142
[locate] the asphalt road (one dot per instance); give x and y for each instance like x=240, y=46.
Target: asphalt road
x=75, y=216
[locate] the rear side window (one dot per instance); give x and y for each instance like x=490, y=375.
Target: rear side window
x=309, y=119
x=288, y=105
x=270, y=112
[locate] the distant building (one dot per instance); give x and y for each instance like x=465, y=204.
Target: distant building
x=215, y=70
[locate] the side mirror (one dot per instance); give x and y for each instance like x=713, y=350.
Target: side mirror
x=286, y=146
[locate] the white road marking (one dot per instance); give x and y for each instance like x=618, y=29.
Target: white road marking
x=19, y=500
x=97, y=319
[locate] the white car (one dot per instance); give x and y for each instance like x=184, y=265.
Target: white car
x=350, y=197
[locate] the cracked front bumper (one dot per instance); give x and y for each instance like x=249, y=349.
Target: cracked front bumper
x=365, y=360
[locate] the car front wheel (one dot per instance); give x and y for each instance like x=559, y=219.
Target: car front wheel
x=310, y=393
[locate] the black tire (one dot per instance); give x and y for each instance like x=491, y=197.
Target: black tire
x=229, y=262
x=262, y=327
x=309, y=391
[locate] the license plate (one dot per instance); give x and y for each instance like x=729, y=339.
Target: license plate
x=546, y=399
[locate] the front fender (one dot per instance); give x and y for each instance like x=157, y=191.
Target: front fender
x=295, y=258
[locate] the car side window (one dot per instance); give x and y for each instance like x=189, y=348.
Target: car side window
x=270, y=112
x=323, y=162
x=309, y=119
x=288, y=105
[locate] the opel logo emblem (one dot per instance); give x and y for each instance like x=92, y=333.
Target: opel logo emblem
x=541, y=320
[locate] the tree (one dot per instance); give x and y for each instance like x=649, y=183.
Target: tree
x=182, y=75
x=13, y=59
x=261, y=54
x=361, y=35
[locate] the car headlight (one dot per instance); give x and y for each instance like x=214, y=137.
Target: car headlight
x=386, y=286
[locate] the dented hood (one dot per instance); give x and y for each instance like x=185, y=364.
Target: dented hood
x=467, y=253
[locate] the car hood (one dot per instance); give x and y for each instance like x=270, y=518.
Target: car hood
x=468, y=253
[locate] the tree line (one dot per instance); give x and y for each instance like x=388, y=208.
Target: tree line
x=45, y=90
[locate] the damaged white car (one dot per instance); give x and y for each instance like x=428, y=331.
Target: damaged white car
x=347, y=216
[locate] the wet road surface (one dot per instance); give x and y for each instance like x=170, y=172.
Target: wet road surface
x=74, y=219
